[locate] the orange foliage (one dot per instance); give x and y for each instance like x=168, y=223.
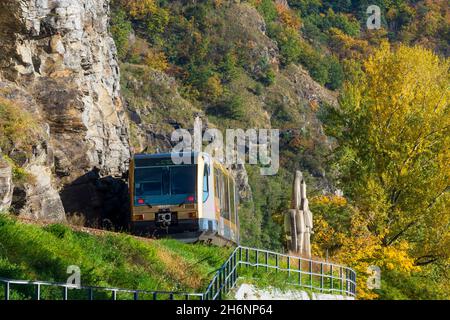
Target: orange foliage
x=288, y=17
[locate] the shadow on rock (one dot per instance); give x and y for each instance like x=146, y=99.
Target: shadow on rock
x=98, y=202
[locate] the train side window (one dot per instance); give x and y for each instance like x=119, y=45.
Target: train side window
x=216, y=183
x=225, y=197
x=205, y=183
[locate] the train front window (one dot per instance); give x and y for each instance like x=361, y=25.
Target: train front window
x=164, y=184
x=182, y=180
x=149, y=181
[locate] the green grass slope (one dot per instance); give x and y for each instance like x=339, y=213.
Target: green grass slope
x=111, y=260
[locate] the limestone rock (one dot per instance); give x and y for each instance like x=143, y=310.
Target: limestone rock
x=61, y=54
x=6, y=185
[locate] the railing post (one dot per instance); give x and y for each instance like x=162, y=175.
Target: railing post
x=216, y=287
x=267, y=261
x=114, y=295
x=346, y=282
x=220, y=283
x=300, y=271
x=247, y=257
x=310, y=273
x=331, y=278
x=65, y=291
x=136, y=295
x=155, y=295
x=342, y=280
x=6, y=290
x=236, y=265
x=321, y=277
x=289, y=265
x=256, y=259
x=276, y=262
x=38, y=292
x=91, y=294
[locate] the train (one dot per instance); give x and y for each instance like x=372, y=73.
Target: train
x=193, y=202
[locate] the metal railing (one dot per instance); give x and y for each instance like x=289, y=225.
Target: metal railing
x=319, y=276
x=324, y=277
x=85, y=292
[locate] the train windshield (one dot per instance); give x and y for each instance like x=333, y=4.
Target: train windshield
x=164, y=184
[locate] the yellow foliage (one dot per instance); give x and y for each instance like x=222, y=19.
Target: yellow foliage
x=330, y=199
x=156, y=60
x=214, y=87
x=348, y=47
x=18, y=128
x=138, y=9
x=288, y=17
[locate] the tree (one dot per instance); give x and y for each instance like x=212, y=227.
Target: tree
x=393, y=131
x=120, y=30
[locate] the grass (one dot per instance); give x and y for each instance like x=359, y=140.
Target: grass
x=32, y=252
x=111, y=260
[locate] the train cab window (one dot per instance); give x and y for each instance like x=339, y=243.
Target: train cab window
x=182, y=180
x=148, y=182
x=205, y=183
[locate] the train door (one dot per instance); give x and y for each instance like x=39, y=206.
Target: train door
x=207, y=220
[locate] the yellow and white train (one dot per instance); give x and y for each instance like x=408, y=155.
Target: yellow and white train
x=190, y=202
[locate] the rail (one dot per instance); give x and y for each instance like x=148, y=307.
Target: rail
x=314, y=275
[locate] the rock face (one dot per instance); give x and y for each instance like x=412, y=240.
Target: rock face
x=6, y=185
x=60, y=51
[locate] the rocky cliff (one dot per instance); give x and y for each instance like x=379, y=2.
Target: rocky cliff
x=58, y=59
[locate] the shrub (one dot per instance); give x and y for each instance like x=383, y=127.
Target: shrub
x=268, y=10
x=156, y=60
x=18, y=129
x=232, y=106
x=335, y=73
x=288, y=17
x=228, y=67
x=120, y=30
x=313, y=61
x=213, y=87
x=288, y=42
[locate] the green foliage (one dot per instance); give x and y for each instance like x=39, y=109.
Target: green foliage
x=232, y=106
x=288, y=41
x=335, y=73
x=306, y=7
x=263, y=218
x=228, y=67
x=268, y=10
x=120, y=29
x=315, y=63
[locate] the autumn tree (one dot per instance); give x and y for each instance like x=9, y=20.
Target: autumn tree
x=393, y=131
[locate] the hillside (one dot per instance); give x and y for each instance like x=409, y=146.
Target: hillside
x=34, y=252
x=364, y=114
